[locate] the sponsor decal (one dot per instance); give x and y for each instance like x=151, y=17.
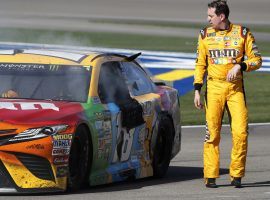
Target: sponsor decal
x=36, y=146
x=203, y=33
x=227, y=38
x=227, y=44
x=102, y=143
x=96, y=100
x=61, y=144
x=235, y=43
x=57, y=160
x=103, y=126
x=222, y=61
x=219, y=39
x=244, y=32
x=211, y=34
x=236, y=39
x=210, y=40
x=28, y=106
x=106, y=126
x=60, y=152
x=207, y=134
x=99, y=115
x=21, y=67
x=253, y=64
x=213, y=44
x=220, y=53
x=98, y=124
x=61, y=171
x=62, y=137
x=134, y=158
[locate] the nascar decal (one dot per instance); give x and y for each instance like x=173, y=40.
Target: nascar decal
x=28, y=106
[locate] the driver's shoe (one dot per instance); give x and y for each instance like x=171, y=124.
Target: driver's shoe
x=236, y=182
x=211, y=183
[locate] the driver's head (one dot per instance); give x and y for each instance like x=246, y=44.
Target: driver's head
x=218, y=13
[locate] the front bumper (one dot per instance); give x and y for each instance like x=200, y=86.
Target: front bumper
x=26, y=173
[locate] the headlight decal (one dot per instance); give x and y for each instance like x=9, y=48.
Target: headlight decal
x=37, y=133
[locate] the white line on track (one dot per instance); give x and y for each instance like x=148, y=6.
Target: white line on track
x=227, y=125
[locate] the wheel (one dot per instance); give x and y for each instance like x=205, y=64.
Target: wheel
x=79, y=159
x=163, y=147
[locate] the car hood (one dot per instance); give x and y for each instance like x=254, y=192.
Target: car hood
x=38, y=111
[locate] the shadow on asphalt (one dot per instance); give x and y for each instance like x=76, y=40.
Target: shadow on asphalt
x=174, y=174
x=246, y=185
x=257, y=184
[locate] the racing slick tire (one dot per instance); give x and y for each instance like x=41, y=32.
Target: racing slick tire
x=79, y=160
x=163, y=147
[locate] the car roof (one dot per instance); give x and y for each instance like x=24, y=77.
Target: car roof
x=59, y=56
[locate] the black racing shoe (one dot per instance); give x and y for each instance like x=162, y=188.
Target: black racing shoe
x=236, y=182
x=211, y=183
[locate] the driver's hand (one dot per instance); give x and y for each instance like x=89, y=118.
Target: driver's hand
x=10, y=94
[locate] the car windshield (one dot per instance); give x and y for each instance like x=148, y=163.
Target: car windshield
x=41, y=81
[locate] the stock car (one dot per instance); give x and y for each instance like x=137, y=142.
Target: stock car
x=70, y=118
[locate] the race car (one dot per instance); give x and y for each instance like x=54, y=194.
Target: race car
x=71, y=118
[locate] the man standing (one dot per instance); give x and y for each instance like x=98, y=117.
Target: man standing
x=221, y=52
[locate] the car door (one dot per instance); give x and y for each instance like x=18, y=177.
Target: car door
x=143, y=90
x=126, y=112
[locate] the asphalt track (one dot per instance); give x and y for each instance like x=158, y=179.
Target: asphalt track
x=184, y=178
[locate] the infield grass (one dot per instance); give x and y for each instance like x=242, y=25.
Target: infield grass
x=257, y=96
x=113, y=40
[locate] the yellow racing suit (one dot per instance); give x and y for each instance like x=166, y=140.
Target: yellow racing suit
x=218, y=51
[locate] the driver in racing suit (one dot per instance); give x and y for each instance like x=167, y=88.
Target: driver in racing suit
x=220, y=55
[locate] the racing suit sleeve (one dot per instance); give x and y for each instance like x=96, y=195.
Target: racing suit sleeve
x=200, y=66
x=254, y=60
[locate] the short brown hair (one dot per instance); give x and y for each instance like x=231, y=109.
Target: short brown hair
x=221, y=7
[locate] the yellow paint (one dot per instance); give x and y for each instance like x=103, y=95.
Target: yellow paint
x=175, y=75
x=25, y=179
x=38, y=59
x=147, y=97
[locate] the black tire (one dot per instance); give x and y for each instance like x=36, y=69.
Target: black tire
x=163, y=147
x=79, y=160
